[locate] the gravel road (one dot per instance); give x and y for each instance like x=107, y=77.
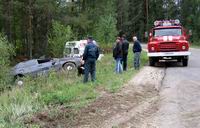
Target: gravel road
x=179, y=105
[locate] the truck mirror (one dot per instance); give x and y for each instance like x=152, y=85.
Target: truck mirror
x=150, y=34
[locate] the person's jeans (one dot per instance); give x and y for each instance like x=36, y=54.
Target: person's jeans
x=90, y=68
x=137, y=60
x=118, y=65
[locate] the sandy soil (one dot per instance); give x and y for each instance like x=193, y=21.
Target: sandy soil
x=166, y=96
x=131, y=106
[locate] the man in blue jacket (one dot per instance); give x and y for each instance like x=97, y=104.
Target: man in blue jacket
x=137, y=51
x=90, y=55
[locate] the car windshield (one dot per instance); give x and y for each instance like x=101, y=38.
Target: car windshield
x=43, y=61
x=167, y=32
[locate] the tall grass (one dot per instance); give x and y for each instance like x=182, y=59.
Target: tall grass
x=6, y=52
x=60, y=89
x=16, y=104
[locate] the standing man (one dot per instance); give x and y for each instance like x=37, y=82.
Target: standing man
x=137, y=51
x=117, y=55
x=90, y=55
x=125, y=47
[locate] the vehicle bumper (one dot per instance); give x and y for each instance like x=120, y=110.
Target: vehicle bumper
x=168, y=54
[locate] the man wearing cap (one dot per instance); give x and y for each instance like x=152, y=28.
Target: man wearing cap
x=90, y=55
x=137, y=51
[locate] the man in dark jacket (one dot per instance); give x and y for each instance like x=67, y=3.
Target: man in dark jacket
x=90, y=55
x=125, y=47
x=137, y=51
x=117, y=55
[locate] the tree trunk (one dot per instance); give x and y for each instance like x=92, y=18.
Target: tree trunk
x=30, y=29
x=7, y=10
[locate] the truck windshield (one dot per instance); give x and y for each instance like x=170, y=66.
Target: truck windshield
x=167, y=32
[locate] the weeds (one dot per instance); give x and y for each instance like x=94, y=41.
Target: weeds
x=59, y=89
x=6, y=52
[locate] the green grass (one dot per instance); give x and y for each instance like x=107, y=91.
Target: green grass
x=60, y=89
x=106, y=76
x=195, y=45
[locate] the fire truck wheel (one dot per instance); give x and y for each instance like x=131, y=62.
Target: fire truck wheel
x=185, y=62
x=151, y=61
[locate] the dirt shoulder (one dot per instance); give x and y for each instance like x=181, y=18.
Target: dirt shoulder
x=131, y=106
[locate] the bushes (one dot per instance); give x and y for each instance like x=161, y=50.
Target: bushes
x=60, y=35
x=106, y=29
x=6, y=52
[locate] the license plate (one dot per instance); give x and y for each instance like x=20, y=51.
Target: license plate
x=169, y=53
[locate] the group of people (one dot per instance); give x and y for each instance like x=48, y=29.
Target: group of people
x=120, y=54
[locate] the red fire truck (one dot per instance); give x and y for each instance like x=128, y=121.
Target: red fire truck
x=168, y=40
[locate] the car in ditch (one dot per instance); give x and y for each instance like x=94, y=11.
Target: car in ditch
x=35, y=67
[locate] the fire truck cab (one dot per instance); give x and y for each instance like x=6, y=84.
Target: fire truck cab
x=168, y=40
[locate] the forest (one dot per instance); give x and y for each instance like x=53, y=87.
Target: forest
x=38, y=28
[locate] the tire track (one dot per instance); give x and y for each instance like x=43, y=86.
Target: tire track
x=130, y=107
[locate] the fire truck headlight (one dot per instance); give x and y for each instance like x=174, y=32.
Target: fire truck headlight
x=183, y=47
x=152, y=48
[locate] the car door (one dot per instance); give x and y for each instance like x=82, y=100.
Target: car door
x=44, y=65
x=30, y=67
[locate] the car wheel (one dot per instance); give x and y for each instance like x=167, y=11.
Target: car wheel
x=69, y=68
x=19, y=80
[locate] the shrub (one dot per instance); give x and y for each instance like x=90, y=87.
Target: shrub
x=6, y=52
x=106, y=30
x=60, y=35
